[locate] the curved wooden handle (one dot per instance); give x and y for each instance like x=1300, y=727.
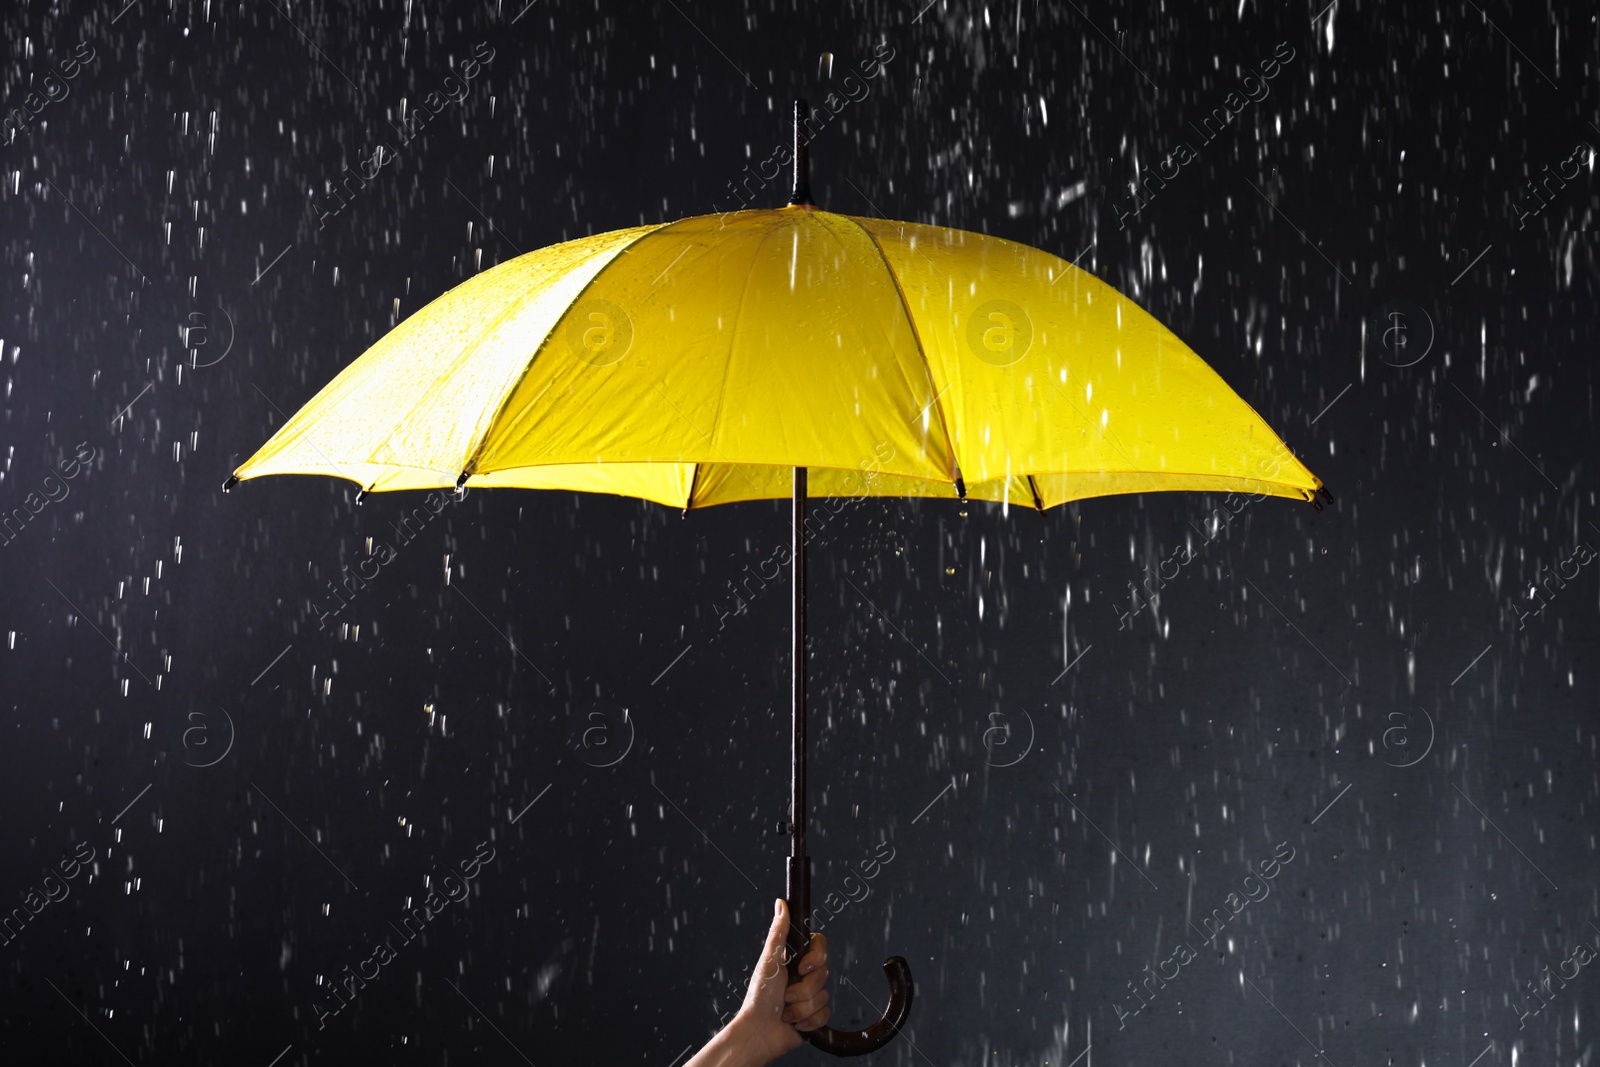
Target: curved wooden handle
x=880, y=1033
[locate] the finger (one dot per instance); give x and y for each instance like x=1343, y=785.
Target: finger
x=807, y=987
x=816, y=956
x=817, y=1021
x=806, y=1009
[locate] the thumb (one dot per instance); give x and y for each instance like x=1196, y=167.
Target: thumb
x=774, y=951
x=766, y=983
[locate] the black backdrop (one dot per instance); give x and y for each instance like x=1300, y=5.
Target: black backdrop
x=1067, y=781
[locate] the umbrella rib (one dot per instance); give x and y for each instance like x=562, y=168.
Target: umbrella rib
x=694, y=483
x=288, y=419
x=1038, y=501
x=430, y=395
x=916, y=336
x=555, y=327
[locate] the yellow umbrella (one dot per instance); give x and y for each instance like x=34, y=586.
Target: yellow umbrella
x=698, y=362
x=789, y=353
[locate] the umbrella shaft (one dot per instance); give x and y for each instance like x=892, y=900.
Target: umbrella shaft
x=799, y=881
x=797, y=808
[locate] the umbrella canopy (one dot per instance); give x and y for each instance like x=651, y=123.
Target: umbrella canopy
x=698, y=362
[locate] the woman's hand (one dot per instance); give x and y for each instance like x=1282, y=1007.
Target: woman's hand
x=774, y=1013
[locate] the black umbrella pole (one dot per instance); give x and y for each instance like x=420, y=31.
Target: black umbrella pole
x=895, y=969
x=799, y=882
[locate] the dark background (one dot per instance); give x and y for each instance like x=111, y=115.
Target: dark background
x=1352, y=682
